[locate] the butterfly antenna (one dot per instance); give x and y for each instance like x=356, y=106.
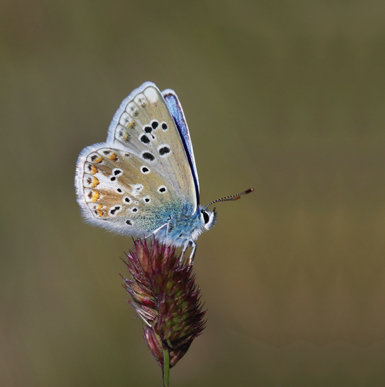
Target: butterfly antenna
x=231, y=197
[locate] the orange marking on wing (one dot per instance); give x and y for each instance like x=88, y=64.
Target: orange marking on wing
x=98, y=160
x=95, y=182
x=113, y=157
x=94, y=170
x=95, y=196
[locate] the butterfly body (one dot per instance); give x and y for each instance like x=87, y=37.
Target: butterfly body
x=181, y=227
x=143, y=180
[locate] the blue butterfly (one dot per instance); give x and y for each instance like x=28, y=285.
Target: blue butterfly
x=143, y=180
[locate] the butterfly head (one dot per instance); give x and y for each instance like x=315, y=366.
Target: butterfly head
x=208, y=218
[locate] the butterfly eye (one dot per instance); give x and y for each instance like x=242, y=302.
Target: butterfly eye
x=206, y=216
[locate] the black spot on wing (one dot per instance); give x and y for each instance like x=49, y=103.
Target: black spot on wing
x=164, y=150
x=148, y=156
x=144, y=139
x=154, y=124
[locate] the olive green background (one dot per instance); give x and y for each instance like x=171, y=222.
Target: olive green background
x=285, y=96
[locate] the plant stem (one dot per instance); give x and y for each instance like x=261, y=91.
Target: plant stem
x=166, y=367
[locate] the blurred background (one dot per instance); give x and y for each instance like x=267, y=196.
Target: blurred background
x=284, y=96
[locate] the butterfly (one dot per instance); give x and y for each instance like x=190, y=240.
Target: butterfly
x=143, y=180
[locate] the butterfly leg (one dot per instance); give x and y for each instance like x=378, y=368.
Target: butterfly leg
x=185, y=246
x=192, y=255
x=183, y=251
x=157, y=230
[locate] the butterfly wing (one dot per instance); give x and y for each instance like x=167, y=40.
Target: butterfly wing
x=144, y=124
x=175, y=109
x=133, y=182
x=118, y=190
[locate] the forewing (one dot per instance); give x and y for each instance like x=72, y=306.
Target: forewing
x=144, y=125
x=175, y=108
x=120, y=191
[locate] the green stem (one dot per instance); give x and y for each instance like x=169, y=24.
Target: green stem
x=166, y=367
